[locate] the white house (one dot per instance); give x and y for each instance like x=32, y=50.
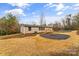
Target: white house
x=34, y=29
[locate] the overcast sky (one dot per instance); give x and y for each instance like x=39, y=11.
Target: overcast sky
x=30, y=12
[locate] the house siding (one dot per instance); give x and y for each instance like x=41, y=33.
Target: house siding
x=48, y=29
x=25, y=29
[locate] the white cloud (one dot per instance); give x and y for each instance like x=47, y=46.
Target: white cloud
x=21, y=5
x=59, y=7
x=66, y=7
x=16, y=12
x=47, y=5
x=75, y=7
x=59, y=13
x=50, y=5
x=76, y=4
x=33, y=13
x=53, y=19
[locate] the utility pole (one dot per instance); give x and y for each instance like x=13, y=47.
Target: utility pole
x=42, y=21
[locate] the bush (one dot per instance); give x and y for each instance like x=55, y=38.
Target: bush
x=2, y=32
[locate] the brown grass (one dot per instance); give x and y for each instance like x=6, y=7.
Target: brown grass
x=36, y=45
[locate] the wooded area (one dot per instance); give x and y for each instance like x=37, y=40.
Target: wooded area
x=69, y=22
x=9, y=24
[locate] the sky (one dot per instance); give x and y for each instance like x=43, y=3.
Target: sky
x=29, y=13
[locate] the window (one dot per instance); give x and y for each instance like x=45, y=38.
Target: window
x=29, y=28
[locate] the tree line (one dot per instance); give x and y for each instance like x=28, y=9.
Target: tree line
x=9, y=24
x=70, y=22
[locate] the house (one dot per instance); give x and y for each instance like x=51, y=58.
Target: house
x=34, y=29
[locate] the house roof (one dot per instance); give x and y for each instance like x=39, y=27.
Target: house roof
x=34, y=26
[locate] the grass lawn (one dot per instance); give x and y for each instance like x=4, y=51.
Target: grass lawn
x=37, y=45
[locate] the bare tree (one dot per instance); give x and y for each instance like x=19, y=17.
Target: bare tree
x=68, y=21
x=76, y=21
x=50, y=24
x=57, y=26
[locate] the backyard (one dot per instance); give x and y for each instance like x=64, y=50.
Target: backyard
x=39, y=46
